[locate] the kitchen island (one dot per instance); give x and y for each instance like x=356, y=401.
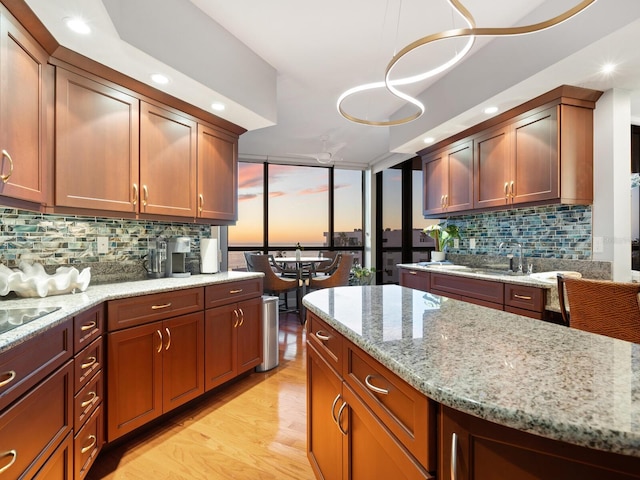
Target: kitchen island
x=571, y=388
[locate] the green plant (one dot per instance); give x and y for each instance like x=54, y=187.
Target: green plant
x=443, y=234
x=362, y=275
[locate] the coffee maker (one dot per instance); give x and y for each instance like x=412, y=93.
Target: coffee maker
x=177, y=249
x=156, y=258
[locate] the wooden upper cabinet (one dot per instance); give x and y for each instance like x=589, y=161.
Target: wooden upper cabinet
x=96, y=145
x=25, y=83
x=167, y=162
x=492, y=168
x=217, y=174
x=448, y=180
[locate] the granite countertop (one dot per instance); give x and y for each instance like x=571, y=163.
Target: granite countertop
x=534, y=376
x=72, y=304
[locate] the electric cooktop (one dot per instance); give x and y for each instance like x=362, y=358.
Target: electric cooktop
x=11, y=318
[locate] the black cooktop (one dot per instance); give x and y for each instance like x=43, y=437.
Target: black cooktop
x=11, y=318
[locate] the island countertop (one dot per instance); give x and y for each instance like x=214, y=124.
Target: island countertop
x=541, y=378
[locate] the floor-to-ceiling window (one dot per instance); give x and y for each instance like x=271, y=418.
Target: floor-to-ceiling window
x=279, y=206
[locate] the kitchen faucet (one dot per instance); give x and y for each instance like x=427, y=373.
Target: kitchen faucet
x=513, y=243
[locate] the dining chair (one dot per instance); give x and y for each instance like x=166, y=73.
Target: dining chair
x=340, y=277
x=327, y=268
x=601, y=306
x=247, y=259
x=275, y=284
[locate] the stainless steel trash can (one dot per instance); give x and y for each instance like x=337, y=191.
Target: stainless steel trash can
x=270, y=326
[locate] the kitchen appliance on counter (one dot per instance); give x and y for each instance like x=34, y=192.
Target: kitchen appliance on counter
x=156, y=258
x=177, y=249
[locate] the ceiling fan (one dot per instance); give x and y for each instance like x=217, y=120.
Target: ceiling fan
x=327, y=155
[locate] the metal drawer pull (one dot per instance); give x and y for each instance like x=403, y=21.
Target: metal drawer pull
x=522, y=297
x=411, y=272
x=373, y=388
x=11, y=375
x=14, y=454
x=168, y=338
x=88, y=326
x=454, y=456
x=333, y=409
x=89, y=447
x=235, y=291
x=344, y=404
x=235, y=312
x=5, y=178
x=241, y=317
x=161, y=342
x=322, y=336
x=160, y=307
x=92, y=397
x=89, y=363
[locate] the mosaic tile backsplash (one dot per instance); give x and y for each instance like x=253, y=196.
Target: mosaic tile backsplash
x=554, y=231
x=55, y=240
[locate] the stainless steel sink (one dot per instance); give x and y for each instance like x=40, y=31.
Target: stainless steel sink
x=11, y=318
x=499, y=273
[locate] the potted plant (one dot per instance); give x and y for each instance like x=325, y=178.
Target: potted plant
x=361, y=275
x=444, y=236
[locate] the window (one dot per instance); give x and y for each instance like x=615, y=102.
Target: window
x=347, y=195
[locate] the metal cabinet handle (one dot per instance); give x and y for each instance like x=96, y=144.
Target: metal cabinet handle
x=168, y=338
x=241, y=317
x=92, y=397
x=442, y=201
x=14, y=454
x=88, y=326
x=235, y=312
x=5, y=178
x=344, y=404
x=145, y=195
x=512, y=194
x=333, y=409
x=91, y=445
x=232, y=292
x=89, y=363
x=160, y=307
x=454, y=456
x=322, y=336
x=373, y=388
x=411, y=272
x=522, y=297
x=11, y=375
x=200, y=203
x=446, y=200
x=135, y=194
x=161, y=342
x=506, y=189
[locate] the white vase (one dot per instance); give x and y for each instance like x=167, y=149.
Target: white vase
x=298, y=255
x=437, y=256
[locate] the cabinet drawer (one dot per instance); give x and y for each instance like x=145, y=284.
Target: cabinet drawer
x=327, y=341
x=524, y=297
x=231, y=292
x=87, y=444
x=87, y=363
x=408, y=414
x=60, y=463
x=129, y=312
x=87, y=326
x=468, y=287
x=417, y=279
x=26, y=364
x=33, y=427
x=87, y=400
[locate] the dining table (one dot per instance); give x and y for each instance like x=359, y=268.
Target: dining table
x=302, y=263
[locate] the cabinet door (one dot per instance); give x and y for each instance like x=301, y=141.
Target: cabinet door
x=183, y=359
x=459, y=195
x=24, y=75
x=536, y=164
x=167, y=162
x=492, y=169
x=134, y=378
x=96, y=145
x=220, y=345
x=217, y=175
x=434, y=172
x=324, y=399
x=419, y=280
x=249, y=335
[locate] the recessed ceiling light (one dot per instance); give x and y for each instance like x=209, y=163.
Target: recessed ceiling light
x=77, y=25
x=608, y=68
x=490, y=110
x=160, y=79
x=429, y=140
x=217, y=106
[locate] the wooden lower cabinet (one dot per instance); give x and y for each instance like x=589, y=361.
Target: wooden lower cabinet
x=233, y=340
x=416, y=279
x=472, y=448
x=152, y=369
x=344, y=438
x=60, y=463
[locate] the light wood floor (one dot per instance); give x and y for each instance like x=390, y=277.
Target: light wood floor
x=252, y=429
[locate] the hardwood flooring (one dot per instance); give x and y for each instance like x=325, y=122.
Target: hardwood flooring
x=254, y=428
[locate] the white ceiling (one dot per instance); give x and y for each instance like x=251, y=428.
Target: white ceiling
x=290, y=60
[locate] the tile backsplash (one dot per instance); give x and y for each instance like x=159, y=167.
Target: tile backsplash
x=55, y=240
x=552, y=231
